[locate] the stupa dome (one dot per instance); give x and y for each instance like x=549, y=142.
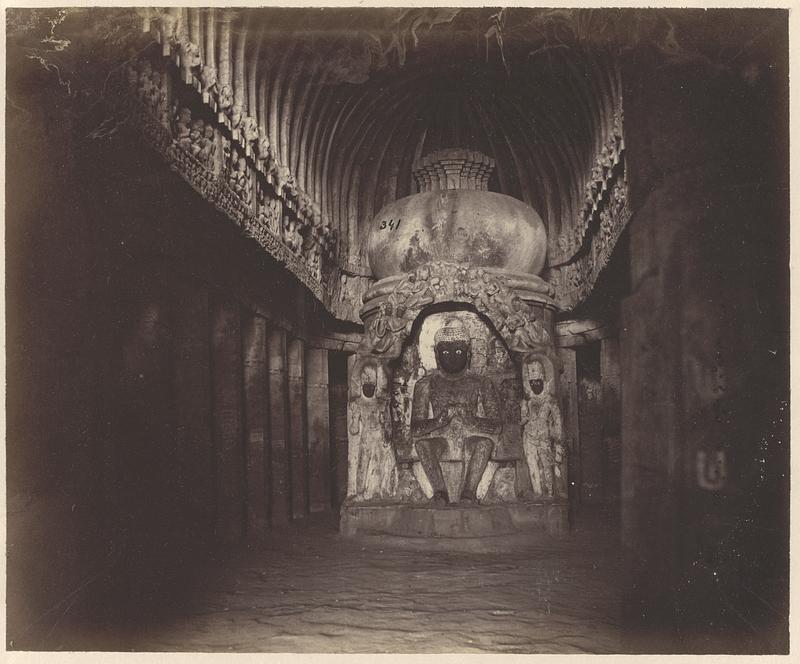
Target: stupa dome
x=454, y=218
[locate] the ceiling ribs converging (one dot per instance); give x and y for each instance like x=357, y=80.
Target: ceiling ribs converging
x=349, y=98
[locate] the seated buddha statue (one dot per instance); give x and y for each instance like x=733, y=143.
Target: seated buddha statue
x=455, y=431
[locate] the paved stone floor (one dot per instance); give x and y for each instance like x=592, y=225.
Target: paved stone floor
x=315, y=591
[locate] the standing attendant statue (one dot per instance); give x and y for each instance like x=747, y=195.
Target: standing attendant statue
x=455, y=431
x=542, y=435
x=373, y=467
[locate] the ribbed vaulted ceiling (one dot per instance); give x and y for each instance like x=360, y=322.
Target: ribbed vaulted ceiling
x=351, y=97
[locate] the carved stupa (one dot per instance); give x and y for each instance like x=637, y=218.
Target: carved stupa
x=455, y=218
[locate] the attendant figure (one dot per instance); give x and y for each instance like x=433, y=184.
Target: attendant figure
x=542, y=442
x=373, y=467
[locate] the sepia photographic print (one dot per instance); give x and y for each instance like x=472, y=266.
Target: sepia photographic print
x=404, y=330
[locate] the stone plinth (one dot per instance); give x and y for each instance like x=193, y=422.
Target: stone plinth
x=455, y=521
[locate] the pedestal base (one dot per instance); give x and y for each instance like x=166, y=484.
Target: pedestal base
x=455, y=521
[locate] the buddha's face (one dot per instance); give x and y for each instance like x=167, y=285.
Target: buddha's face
x=452, y=356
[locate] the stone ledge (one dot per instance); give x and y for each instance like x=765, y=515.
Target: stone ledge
x=455, y=521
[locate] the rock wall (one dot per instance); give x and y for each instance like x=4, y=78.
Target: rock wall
x=704, y=373
x=168, y=401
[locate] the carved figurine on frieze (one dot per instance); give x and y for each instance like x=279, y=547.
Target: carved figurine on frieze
x=291, y=234
x=488, y=293
x=263, y=151
x=208, y=81
x=196, y=137
x=314, y=262
x=227, y=154
x=190, y=57
x=372, y=467
x=542, y=439
x=445, y=423
x=162, y=107
x=268, y=210
x=250, y=130
x=236, y=116
x=526, y=332
x=183, y=129
x=383, y=332
x=145, y=82
x=291, y=189
x=328, y=242
x=224, y=97
x=282, y=177
x=304, y=207
x=415, y=291
x=153, y=98
x=208, y=147
x=169, y=26
x=241, y=181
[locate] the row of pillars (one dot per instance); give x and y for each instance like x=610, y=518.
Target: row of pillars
x=592, y=429
x=271, y=402
x=251, y=417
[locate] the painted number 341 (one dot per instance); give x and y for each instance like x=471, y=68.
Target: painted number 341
x=391, y=224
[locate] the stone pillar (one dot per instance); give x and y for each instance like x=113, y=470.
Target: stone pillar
x=352, y=442
x=192, y=416
x=298, y=435
x=337, y=381
x=143, y=488
x=569, y=411
x=699, y=370
x=610, y=399
x=278, y=427
x=254, y=347
x=318, y=425
x=209, y=55
x=590, y=424
x=226, y=380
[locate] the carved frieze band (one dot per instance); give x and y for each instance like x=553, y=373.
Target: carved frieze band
x=600, y=179
x=285, y=222
x=574, y=281
x=584, y=250
x=392, y=305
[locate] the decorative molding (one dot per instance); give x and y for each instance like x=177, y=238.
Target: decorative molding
x=218, y=192
x=453, y=168
x=607, y=164
x=581, y=253
x=574, y=281
x=388, y=318
x=230, y=161
x=218, y=92
x=221, y=172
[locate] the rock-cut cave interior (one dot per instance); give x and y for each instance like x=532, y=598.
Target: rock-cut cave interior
x=397, y=330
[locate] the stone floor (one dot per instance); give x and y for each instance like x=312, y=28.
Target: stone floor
x=315, y=591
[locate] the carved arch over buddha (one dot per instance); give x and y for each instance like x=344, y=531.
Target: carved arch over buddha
x=392, y=306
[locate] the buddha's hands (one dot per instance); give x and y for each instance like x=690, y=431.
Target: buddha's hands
x=459, y=414
x=444, y=417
